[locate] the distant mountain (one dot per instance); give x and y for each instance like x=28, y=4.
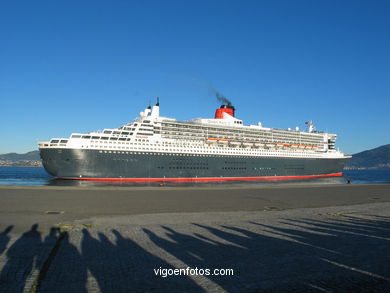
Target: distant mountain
x=30, y=156
x=378, y=158
x=28, y=159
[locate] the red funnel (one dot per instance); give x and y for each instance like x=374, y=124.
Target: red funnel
x=224, y=109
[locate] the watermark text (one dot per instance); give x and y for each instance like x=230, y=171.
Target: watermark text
x=165, y=272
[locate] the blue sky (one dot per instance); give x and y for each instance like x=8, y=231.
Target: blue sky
x=78, y=66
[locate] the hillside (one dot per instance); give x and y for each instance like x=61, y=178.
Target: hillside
x=378, y=158
x=27, y=159
x=33, y=155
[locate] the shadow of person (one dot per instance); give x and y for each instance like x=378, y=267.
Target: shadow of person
x=47, y=253
x=261, y=259
x=342, y=249
x=145, y=272
x=67, y=271
x=118, y=264
x=377, y=227
x=20, y=260
x=47, y=245
x=4, y=238
x=202, y=253
x=99, y=257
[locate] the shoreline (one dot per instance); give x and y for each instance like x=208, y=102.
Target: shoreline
x=218, y=186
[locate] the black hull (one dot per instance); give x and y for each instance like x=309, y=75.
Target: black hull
x=118, y=165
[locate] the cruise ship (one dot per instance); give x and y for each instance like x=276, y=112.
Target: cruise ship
x=157, y=148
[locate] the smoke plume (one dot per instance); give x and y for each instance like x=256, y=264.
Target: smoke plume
x=221, y=98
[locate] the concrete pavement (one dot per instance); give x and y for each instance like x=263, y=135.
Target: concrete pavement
x=297, y=239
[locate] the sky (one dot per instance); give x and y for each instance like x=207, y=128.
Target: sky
x=80, y=66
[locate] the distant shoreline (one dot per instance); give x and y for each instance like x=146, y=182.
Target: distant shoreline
x=17, y=164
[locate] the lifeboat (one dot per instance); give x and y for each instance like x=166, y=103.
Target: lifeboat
x=280, y=145
x=211, y=140
x=294, y=146
x=223, y=141
x=270, y=145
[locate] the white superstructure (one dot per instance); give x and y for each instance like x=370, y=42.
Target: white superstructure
x=223, y=135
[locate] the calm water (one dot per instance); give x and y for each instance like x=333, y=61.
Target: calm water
x=38, y=177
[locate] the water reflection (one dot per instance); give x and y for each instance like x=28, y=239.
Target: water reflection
x=35, y=176
x=221, y=183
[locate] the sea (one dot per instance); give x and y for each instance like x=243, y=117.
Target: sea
x=37, y=176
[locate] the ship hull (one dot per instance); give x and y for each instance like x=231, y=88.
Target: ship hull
x=82, y=164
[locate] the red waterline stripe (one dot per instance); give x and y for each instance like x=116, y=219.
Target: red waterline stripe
x=204, y=178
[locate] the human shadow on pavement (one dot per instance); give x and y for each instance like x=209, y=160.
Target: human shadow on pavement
x=4, y=238
x=335, y=254
x=67, y=271
x=294, y=256
x=109, y=262
x=21, y=259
